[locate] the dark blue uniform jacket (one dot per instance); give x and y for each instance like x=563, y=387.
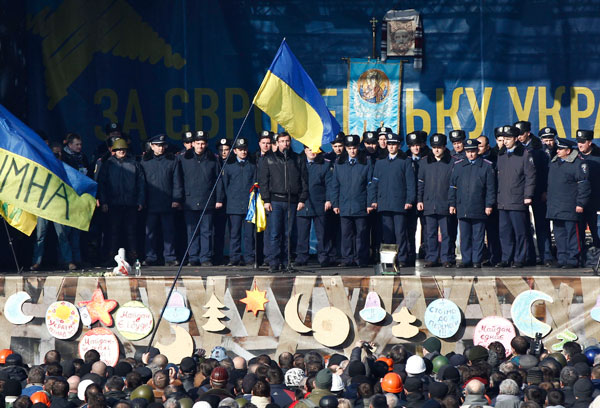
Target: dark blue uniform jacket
x=516, y=178
x=349, y=185
x=235, y=185
x=568, y=187
x=541, y=162
x=434, y=182
x=200, y=173
x=393, y=184
x=593, y=161
x=472, y=188
x=319, y=186
x=164, y=184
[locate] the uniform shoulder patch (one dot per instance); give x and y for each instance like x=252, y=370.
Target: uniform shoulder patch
x=459, y=161
x=326, y=160
x=487, y=161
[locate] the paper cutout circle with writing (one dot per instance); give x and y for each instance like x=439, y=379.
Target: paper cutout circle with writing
x=494, y=328
x=13, y=308
x=522, y=317
x=134, y=320
x=330, y=326
x=373, y=312
x=176, y=312
x=62, y=320
x=182, y=346
x=102, y=340
x=291, y=315
x=442, y=318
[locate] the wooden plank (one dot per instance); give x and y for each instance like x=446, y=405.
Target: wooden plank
x=289, y=338
x=51, y=289
x=273, y=313
x=384, y=287
x=235, y=325
x=485, y=288
x=251, y=322
x=590, y=287
x=337, y=298
x=12, y=284
x=559, y=308
x=515, y=284
x=412, y=288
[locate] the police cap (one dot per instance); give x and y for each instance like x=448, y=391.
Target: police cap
x=471, y=144
x=241, y=143
x=352, y=140
x=159, y=139
x=564, y=143
x=339, y=138
x=383, y=130
x=547, y=133
x=369, y=137
x=393, y=138
x=509, y=131
x=498, y=132
x=201, y=135
x=416, y=137
x=188, y=137
x=584, y=135
x=457, y=135
x=223, y=142
x=523, y=126
x=437, y=140
x=266, y=134
x=113, y=127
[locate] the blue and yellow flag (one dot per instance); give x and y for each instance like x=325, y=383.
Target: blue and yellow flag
x=256, y=209
x=289, y=96
x=17, y=218
x=34, y=180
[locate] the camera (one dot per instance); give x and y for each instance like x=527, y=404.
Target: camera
x=537, y=347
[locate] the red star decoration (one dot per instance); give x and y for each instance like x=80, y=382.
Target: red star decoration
x=255, y=300
x=100, y=308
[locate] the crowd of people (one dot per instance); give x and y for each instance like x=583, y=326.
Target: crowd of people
x=527, y=376
x=365, y=192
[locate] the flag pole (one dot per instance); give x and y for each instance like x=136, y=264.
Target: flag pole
x=12, y=248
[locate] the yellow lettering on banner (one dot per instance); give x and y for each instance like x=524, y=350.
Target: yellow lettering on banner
x=523, y=111
x=210, y=111
x=411, y=113
x=134, y=109
x=230, y=113
x=478, y=114
x=577, y=114
x=597, y=124
x=171, y=112
x=443, y=113
x=109, y=113
x=554, y=111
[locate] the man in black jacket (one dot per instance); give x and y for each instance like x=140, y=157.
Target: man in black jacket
x=282, y=178
x=591, y=154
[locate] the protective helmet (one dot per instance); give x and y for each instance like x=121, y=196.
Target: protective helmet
x=591, y=353
x=120, y=144
x=388, y=361
x=392, y=382
x=560, y=358
x=439, y=362
x=143, y=391
x=219, y=375
x=186, y=402
x=328, y=401
x=40, y=396
x=415, y=365
x=3, y=354
x=241, y=402
x=293, y=376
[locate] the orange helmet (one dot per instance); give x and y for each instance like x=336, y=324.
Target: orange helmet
x=392, y=383
x=388, y=361
x=3, y=354
x=40, y=396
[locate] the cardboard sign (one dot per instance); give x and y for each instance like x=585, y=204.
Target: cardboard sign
x=494, y=328
x=104, y=342
x=13, y=308
x=373, y=312
x=62, y=320
x=522, y=317
x=134, y=320
x=176, y=312
x=442, y=318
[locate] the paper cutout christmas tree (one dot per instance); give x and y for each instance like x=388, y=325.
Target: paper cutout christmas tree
x=213, y=314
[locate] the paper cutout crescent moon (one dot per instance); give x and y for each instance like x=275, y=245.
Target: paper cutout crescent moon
x=182, y=346
x=291, y=315
x=330, y=326
x=13, y=308
x=522, y=317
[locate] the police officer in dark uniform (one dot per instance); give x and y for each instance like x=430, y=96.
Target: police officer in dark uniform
x=370, y=144
x=393, y=194
x=568, y=195
x=200, y=170
x=499, y=140
x=164, y=194
x=472, y=196
x=319, y=181
x=516, y=188
x=432, y=199
x=236, y=181
x=492, y=223
x=591, y=154
x=352, y=175
x=548, y=138
x=417, y=149
x=121, y=193
x=220, y=215
x=337, y=147
x=457, y=138
x=542, y=226
x=187, y=139
x=333, y=219
x=369, y=141
x=382, y=133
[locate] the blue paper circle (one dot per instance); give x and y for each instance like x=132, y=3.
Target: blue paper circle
x=442, y=318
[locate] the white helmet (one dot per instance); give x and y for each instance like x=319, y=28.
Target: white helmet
x=415, y=365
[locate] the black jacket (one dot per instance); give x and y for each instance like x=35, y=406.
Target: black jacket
x=319, y=185
x=164, y=184
x=236, y=181
x=472, y=188
x=121, y=182
x=76, y=160
x=200, y=174
x=516, y=178
x=273, y=173
x=593, y=161
x=568, y=187
x=433, y=184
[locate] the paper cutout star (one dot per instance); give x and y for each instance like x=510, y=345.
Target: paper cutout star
x=255, y=300
x=100, y=308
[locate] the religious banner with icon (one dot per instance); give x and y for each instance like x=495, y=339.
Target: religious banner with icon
x=374, y=90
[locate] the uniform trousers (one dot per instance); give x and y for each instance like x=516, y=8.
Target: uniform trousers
x=201, y=244
x=434, y=249
x=395, y=230
x=492, y=228
x=452, y=232
x=567, y=246
x=472, y=232
x=240, y=230
x=542, y=231
x=154, y=222
x=219, y=226
x=589, y=218
x=278, y=231
x=303, y=241
x=513, y=235
x=414, y=216
x=355, y=240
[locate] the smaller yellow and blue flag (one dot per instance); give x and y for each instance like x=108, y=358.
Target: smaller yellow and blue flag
x=17, y=218
x=256, y=209
x=288, y=95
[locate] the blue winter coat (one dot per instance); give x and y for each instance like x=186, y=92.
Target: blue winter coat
x=200, y=173
x=433, y=184
x=393, y=184
x=568, y=187
x=593, y=161
x=235, y=185
x=164, y=184
x=535, y=148
x=516, y=178
x=472, y=188
x=320, y=173
x=349, y=186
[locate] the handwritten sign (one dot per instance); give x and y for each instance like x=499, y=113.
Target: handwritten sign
x=62, y=320
x=494, y=328
x=134, y=320
x=104, y=342
x=442, y=318
x=373, y=312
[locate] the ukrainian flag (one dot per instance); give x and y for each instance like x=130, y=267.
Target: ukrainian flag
x=288, y=95
x=33, y=180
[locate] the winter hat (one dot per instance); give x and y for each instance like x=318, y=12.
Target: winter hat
x=583, y=370
x=451, y=373
x=413, y=384
x=583, y=388
x=438, y=390
x=356, y=368
x=123, y=368
x=324, y=379
x=477, y=353
x=432, y=344
x=336, y=359
x=293, y=376
x=457, y=360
